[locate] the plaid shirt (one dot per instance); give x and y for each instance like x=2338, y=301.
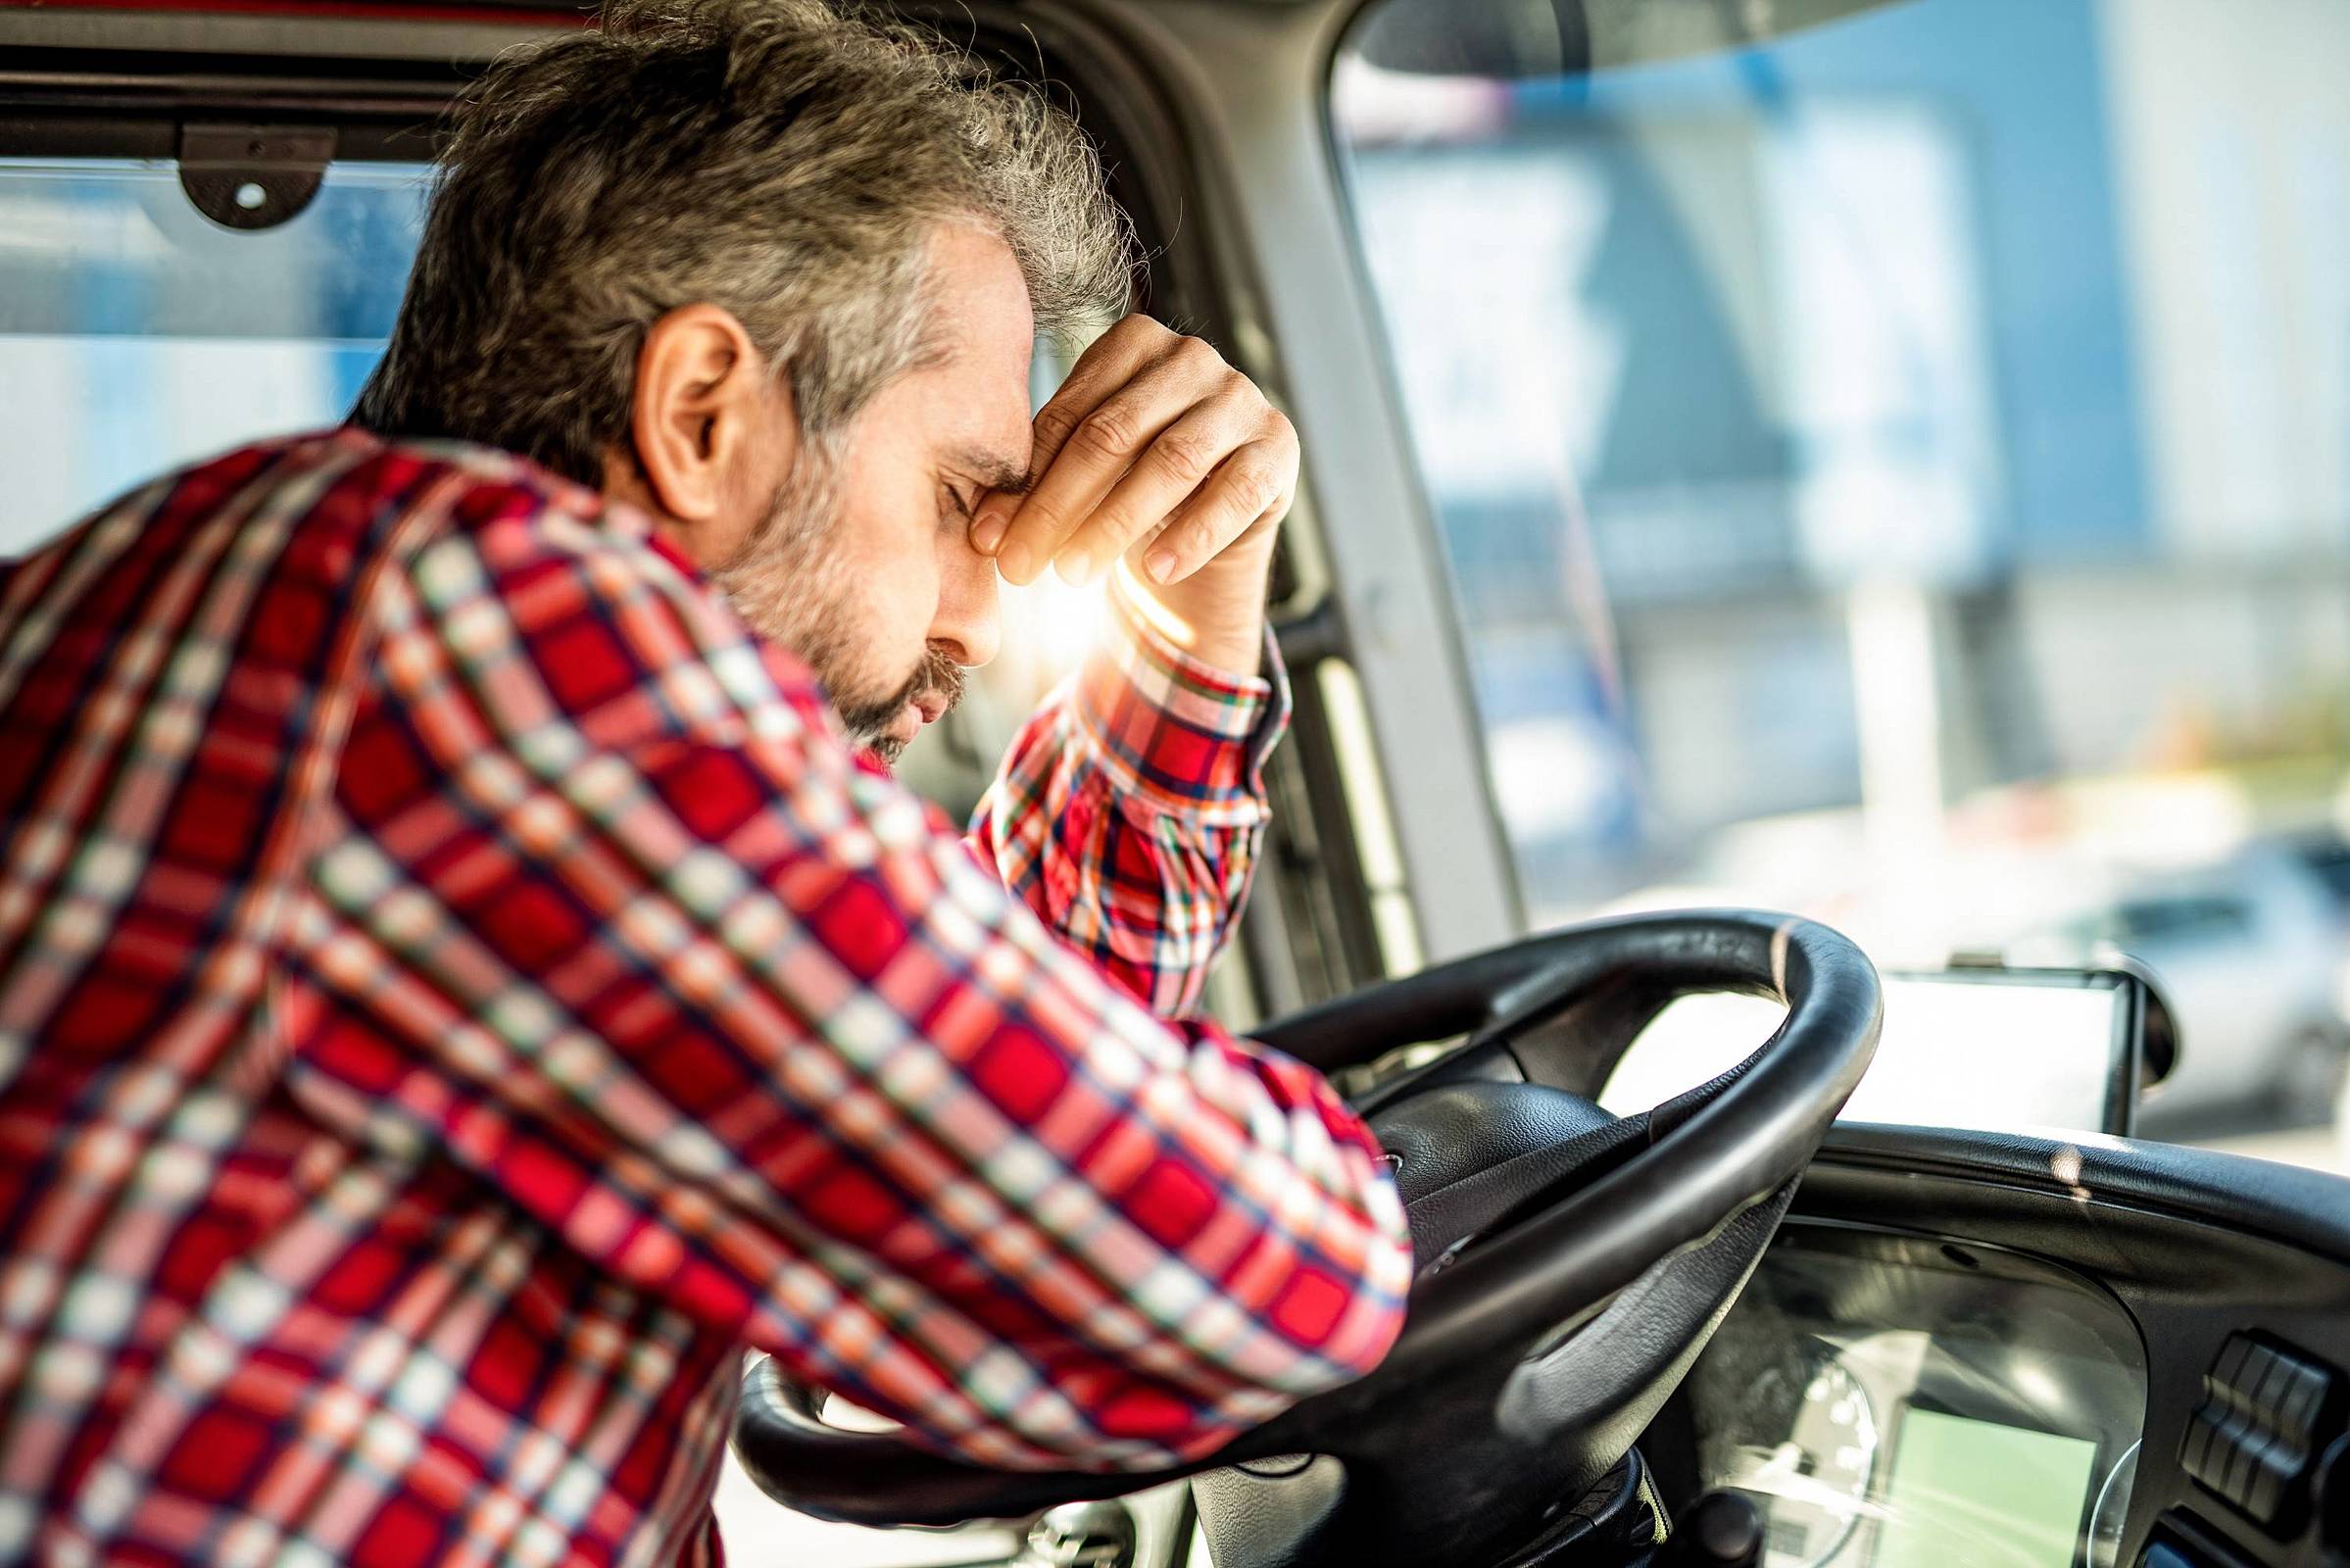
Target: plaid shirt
x=458, y=988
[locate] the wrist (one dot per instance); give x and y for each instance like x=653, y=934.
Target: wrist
x=1216, y=616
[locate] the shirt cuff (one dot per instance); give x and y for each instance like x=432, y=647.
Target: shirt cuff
x=1177, y=734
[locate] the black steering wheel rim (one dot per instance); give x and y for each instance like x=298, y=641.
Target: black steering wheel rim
x=1709, y=1158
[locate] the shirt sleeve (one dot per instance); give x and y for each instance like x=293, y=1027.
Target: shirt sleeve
x=746, y=1025
x=1130, y=809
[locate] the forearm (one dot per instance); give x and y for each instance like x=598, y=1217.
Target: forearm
x=1130, y=810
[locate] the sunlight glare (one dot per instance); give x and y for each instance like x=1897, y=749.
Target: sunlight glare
x=1059, y=623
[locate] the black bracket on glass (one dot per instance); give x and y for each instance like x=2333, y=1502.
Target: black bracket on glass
x=253, y=177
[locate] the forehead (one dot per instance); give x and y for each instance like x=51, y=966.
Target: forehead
x=979, y=393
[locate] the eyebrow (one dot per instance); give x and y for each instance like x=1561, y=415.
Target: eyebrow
x=990, y=471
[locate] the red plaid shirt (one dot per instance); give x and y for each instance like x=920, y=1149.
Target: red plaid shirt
x=458, y=988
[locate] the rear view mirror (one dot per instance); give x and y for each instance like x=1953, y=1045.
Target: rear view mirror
x=1976, y=1046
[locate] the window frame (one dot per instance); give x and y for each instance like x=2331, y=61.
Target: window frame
x=1251, y=81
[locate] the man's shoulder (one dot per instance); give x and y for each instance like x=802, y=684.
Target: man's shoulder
x=458, y=484
x=584, y=581
x=354, y=493
x=342, y=493
x=436, y=533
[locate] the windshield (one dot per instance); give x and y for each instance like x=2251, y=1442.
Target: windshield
x=1899, y=470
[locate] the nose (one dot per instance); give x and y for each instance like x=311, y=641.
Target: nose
x=968, y=624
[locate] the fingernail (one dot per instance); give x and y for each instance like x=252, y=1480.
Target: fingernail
x=1015, y=561
x=1161, y=564
x=1075, y=568
x=988, y=532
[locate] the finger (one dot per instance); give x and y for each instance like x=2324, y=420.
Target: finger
x=1109, y=363
x=1169, y=472
x=1255, y=483
x=1105, y=443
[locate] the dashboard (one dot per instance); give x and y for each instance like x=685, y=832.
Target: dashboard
x=1896, y=1401
x=1999, y=1351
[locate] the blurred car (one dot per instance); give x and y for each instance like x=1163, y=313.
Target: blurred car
x=2327, y=857
x=2250, y=952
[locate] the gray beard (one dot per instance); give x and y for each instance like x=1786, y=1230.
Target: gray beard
x=788, y=587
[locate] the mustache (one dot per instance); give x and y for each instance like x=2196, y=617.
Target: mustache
x=938, y=675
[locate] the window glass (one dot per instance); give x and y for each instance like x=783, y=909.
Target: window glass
x=136, y=334
x=1898, y=470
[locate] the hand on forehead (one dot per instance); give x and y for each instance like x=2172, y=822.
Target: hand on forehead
x=1154, y=441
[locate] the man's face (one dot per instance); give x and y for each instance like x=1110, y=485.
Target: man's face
x=863, y=566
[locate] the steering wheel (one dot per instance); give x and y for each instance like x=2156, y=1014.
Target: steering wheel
x=1571, y=1265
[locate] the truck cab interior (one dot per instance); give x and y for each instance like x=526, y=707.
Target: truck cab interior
x=1885, y=460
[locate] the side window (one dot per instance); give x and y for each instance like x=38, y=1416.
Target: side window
x=138, y=335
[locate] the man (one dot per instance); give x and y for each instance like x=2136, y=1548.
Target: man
x=464, y=970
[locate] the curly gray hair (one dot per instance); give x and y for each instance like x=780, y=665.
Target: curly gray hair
x=777, y=157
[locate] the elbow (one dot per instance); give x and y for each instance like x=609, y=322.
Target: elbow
x=1336, y=1334
x=1304, y=1313
x=1342, y=1323
x=1327, y=1320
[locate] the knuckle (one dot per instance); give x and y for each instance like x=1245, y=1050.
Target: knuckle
x=1185, y=454
x=1255, y=486
x=1054, y=425
x=1201, y=352
x=1040, y=524
x=1123, y=526
x=1106, y=432
x=1237, y=396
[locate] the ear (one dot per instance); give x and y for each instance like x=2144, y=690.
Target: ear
x=714, y=431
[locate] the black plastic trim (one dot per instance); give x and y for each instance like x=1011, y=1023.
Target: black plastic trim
x=2198, y=1245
